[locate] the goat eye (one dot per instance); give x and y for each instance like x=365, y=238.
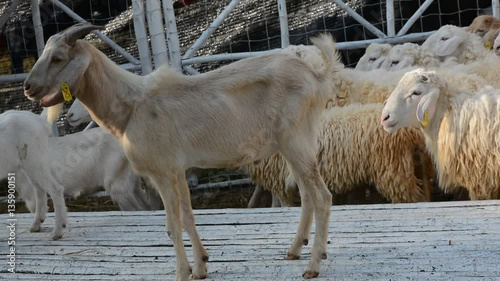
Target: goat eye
x=372, y=59
x=444, y=38
x=416, y=93
x=56, y=59
x=394, y=62
x=480, y=31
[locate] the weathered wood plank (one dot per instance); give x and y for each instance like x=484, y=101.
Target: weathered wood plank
x=425, y=241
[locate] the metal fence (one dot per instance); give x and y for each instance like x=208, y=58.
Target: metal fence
x=199, y=35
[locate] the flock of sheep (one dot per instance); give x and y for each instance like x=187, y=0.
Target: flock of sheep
x=297, y=118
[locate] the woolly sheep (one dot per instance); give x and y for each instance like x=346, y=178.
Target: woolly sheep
x=353, y=150
x=167, y=122
x=409, y=54
x=452, y=41
x=374, y=56
x=496, y=45
x=84, y=161
x=481, y=24
x=353, y=86
x=460, y=129
x=24, y=150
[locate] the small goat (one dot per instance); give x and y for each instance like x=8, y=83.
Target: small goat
x=168, y=122
x=24, y=144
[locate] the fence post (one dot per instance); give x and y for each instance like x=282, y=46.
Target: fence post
x=285, y=38
x=155, y=24
x=495, y=5
x=141, y=36
x=389, y=9
x=174, y=49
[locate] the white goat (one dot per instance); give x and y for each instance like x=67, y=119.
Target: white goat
x=78, y=114
x=90, y=159
x=167, y=122
x=460, y=128
x=24, y=149
x=496, y=45
x=453, y=41
x=374, y=57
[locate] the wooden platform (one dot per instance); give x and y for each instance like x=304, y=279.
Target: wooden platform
x=425, y=241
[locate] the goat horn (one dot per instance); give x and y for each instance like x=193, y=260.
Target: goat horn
x=79, y=30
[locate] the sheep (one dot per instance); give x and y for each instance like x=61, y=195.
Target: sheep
x=374, y=56
x=409, y=54
x=481, y=24
x=496, y=45
x=90, y=159
x=77, y=114
x=353, y=86
x=24, y=150
x=353, y=150
x=166, y=122
x=460, y=128
x=452, y=41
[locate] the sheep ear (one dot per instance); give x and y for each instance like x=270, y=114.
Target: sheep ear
x=446, y=48
x=427, y=106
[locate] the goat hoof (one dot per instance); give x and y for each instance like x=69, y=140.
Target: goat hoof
x=56, y=236
x=305, y=242
x=290, y=256
x=35, y=228
x=310, y=274
x=199, y=277
x=324, y=256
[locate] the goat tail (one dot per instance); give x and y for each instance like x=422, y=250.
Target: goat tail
x=331, y=57
x=52, y=113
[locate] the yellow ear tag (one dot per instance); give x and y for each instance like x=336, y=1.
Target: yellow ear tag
x=425, y=122
x=66, y=92
x=488, y=45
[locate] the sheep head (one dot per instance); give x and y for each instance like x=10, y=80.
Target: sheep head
x=446, y=42
x=481, y=24
x=78, y=114
x=496, y=45
x=374, y=56
x=63, y=60
x=413, y=101
x=401, y=56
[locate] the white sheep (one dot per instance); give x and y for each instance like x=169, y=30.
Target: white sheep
x=24, y=150
x=354, y=86
x=409, y=54
x=355, y=150
x=496, y=45
x=166, y=122
x=375, y=55
x=85, y=161
x=460, y=128
x=481, y=24
x=453, y=41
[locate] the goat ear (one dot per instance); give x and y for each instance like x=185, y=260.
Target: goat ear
x=427, y=106
x=446, y=48
x=78, y=31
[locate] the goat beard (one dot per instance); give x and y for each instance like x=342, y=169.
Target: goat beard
x=52, y=99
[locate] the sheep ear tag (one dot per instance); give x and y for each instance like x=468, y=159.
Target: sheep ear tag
x=66, y=92
x=425, y=122
x=488, y=45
